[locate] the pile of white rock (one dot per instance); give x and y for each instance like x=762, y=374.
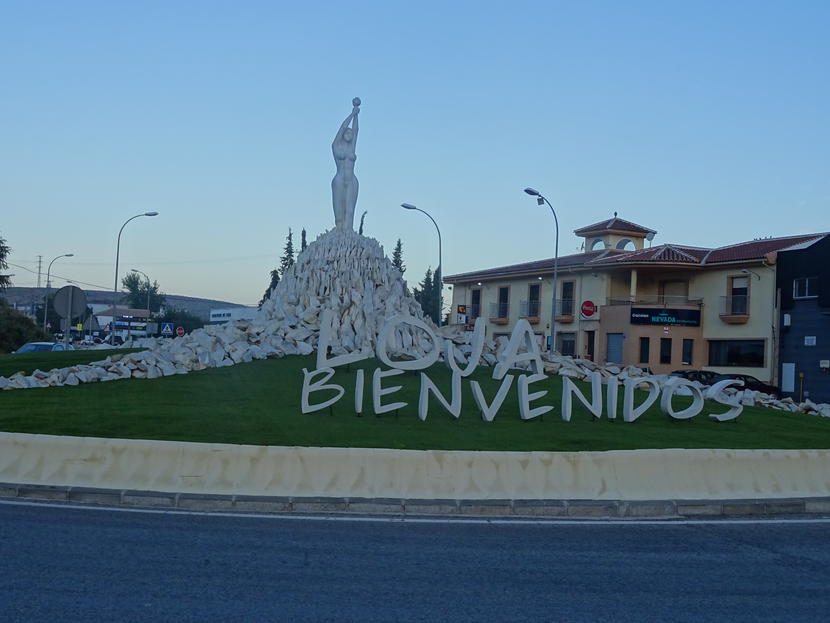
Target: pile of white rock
x=580, y=369
x=349, y=275
x=341, y=271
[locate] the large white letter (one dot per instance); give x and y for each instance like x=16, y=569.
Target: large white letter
x=671, y=386
x=378, y=392
x=358, y=392
x=326, y=321
x=488, y=412
x=525, y=412
x=611, y=397
x=509, y=357
x=317, y=387
x=569, y=389
x=475, y=355
x=716, y=393
x=418, y=364
x=428, y=386
x=629, y=412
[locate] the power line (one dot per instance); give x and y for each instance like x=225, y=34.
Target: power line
x=68, y=279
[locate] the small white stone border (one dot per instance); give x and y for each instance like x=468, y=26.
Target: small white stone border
x=226, y=469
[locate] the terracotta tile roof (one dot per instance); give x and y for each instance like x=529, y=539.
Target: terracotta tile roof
x=528, y=268
x=613, y=224
x=755, y=249
x=665, y=254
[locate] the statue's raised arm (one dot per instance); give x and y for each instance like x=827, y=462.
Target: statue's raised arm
x=344, y=186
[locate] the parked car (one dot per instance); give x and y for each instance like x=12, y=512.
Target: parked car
x=706, y=377
x=40, y=347
x=750, y=382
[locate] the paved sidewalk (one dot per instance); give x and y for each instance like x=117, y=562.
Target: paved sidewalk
x=570, y=509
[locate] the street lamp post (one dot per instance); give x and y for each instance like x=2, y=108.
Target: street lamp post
x=117, y=254
x=409, y=206
x=135, y=270
x=541, y=200
x=48, y=285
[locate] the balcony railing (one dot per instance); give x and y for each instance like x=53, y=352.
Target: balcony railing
x=498, y=312
x=564, y=307
x=734, y=309
x=529, y=309
x=659, y=300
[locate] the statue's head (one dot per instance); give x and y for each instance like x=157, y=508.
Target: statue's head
x=348, y=135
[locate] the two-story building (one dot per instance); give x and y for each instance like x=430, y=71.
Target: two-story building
x=667, y=307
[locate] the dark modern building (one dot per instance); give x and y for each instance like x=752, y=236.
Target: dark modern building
x=804, y=286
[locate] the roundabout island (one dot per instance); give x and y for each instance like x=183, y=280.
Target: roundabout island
x=341, y=396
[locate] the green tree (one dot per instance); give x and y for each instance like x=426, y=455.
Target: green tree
x=5, y=280
x=275, y=279
x=303, y=243
x=397, y=257
x=426, y=295
x=183, y=318
x=16, y=329
x=287, y=259
x=137, y=289
x=360, y=229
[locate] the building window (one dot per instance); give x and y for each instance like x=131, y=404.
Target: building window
x=475, y=306
x=644, y=349
x=532, y=301
x=498, y=311
x=688, y=347
x=566, y=343
x=665, y=350
x=738, y=296
x=565, y=307
x=745, y=353
x=805, y=288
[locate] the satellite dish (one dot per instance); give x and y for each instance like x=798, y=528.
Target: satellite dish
x=650, y=236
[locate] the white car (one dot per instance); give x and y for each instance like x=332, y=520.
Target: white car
x=40, y=347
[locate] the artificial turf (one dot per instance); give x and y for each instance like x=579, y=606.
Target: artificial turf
x=259, y=403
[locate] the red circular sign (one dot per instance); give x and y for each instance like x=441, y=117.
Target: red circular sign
x=588, y=308
x=180, y=331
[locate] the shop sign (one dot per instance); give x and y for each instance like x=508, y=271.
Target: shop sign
x=666, y=317
x=588, y=308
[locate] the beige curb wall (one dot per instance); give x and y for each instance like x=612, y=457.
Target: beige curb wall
x=413, y=474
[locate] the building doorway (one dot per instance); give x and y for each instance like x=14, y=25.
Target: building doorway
x=589, y=345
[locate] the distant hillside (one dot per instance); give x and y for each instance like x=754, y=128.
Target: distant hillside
x=198, y=307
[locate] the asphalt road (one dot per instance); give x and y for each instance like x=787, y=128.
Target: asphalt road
x=62, y=564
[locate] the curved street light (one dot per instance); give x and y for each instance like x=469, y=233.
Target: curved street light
x=541, y=200
x=409, y=206
x=117, y=254
x=48, y=285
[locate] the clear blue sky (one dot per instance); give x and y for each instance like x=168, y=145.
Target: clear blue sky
x=707, y=121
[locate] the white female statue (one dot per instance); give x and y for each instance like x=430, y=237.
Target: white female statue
x=344, y=185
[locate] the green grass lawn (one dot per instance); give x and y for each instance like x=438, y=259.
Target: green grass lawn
x=29, y=362
x=259, y=403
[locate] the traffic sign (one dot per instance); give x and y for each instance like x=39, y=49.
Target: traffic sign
x=167, y=328
x=180, y=331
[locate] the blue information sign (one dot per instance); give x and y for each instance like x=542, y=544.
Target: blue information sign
x=167, y=328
